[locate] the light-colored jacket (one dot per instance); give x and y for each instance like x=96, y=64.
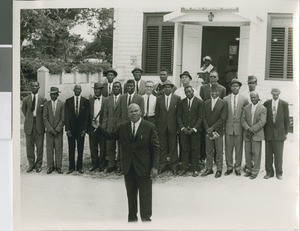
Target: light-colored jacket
x=51, y=121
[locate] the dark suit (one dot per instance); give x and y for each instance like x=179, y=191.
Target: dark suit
x=34, y=129
x=166, y=123
x=190, y=118
x=111, y=120
x=137, y=99
x=76, y=124
x=96, y=140
x=54, y=122
x=215, y=118
x=140, y=154
x=275, y=135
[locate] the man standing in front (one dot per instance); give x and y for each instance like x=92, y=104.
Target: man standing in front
x=76, y=125
x=34, y=128
x=158, y=87
x=276, y=130
x=215, y=114
x=233, y=128
x=253, y=121
x=139, y=142
x=166, y=123
x=149, y=102
x=189, y=117
x=54, y=122
x=97, y=142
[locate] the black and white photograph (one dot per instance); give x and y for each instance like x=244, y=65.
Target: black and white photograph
x=151, y=115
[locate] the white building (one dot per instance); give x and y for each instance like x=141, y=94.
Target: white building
x=257, y=34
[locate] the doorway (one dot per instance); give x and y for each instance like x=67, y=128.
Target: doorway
x=220, y=43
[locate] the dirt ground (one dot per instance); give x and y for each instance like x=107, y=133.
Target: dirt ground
x=98, y=200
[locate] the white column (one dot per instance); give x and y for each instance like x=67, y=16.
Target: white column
x=43, y=79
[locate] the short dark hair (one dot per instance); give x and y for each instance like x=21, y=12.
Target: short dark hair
x=189, y=87
x=34, y=82
x=164, y=69
x=130, y=81
x=117, y=82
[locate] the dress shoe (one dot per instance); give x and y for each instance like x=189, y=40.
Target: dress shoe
x=59, y=171
x=279, y=177
x=182, y=172
x=110, y=169
x=118, y=170
x=80, y=171
x=92, y=169
x=50, y=170
x=252, y=177
x=202, y=162
x=207, y=172
x=135, y=219
x=146, y=219
x=228, y=172
x=195, y=174
x=70, y=171
x=174, y=172
x=218, y=174
x=38, y=170
x=267, y=176
x=237, y=172
x=30, y=169
x=247, y=174
x=101, y=169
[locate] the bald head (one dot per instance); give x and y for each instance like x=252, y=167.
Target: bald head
x=254, y=97
x=134, y=112
x=77, y=90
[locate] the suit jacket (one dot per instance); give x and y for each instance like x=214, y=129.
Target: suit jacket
x=91, y=114
x=190, y=117
x=233, y=123
x=215, y=118
x=142, y=88
x=80, y=123
x=205, y=92
x=139, y=100
x=166, y=119
x=259, y=121
x=158, y=89
x=142, y=150
x=26, y=109
x=111, y=114
x=281, y=126
x=51, y=121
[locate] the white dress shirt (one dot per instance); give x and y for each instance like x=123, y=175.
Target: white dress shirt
x=130, y=98
x=167, y=101
x=36, y=102
x=54, y=106
x=116, y=98
x=109, y=87
x=97, y=107
x=152, y=104
x=79, y=97
x=137, y=124
x=253, y=108
x=232, y=101
x=213, y=102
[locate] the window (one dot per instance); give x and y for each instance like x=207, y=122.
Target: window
x=280, y=47
x=158, y=43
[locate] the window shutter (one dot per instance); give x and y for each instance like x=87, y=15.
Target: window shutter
x=290, y=54
x=277, y=52
x=167, y=45
x=152, y=49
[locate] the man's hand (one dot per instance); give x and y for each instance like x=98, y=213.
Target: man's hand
x=54, y=132
x=184, y=130
x=69, y=134
x=209, y=130
x=250, y=130
x=95, y=124
x=153, y=173
x=82, y=134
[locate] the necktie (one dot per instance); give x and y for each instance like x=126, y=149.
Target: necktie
x=53, y=107
x=33, y=104
x=98, y=98
x=115, y=101
x=274, y=113
x=129, y=100
x=234, y=105
x=109, y=90
x=76, y=106
x=189, y=104
x=167, y=106
x=133, y=130
x=212, y=104
x=137, y=87
x=148, y=99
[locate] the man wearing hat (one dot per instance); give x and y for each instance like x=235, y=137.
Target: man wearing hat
x=97, y=142
x=158, y=87
x=185, y=79
x=34, y=128
x=53, y=115
x=252, y=86
x=215, y=115
x=205, y=69
x=276, y=130
x=110, y=75
x=140, y=85
x=166, y=123
x=233, y=128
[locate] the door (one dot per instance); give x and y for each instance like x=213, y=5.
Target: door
x=220, y=43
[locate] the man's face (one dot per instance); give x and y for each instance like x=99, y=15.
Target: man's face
x=235, y=88
x=213, y=77
x=134, y=112
x=215, y=93
x=185, y=79
x=149, y=88
x=130, y=88
x=254, y=98
x=167, y=89
x=189, y=93
x=206, y=62
x=137, y=75
x=53, y=96
x=163, y=75
x=252, y=85
x=110, y=77
x=97, y=91
x=275, y=96
x=77, y=90
x=35, y=87
x=116, y=88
